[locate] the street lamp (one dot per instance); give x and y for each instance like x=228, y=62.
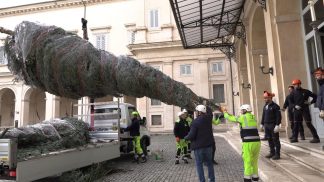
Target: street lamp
x=315, y=24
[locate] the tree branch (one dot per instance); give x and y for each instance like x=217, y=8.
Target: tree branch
x=6, y=31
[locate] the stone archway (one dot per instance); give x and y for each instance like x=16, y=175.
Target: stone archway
x=34, y=106
x=7, y=108
x=259, y=81
x=67, y=107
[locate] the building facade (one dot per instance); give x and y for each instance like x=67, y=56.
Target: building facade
x=280, y=37
x=143, y=29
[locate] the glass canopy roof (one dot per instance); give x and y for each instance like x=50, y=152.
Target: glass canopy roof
x=207, y=23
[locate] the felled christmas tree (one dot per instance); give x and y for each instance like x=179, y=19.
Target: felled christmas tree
x=66, y=65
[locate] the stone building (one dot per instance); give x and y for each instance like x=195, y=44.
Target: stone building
x=144, y=29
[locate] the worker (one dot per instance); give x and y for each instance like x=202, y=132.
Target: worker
x=202, y=140
x=134, y=131
x=188, y=118
x=300, y=97
x=289, y=104
x=251, y=141
x=271, y=119
x=319, y=76
x=181, y=129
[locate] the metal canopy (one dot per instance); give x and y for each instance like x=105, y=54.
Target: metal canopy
x=208, y=23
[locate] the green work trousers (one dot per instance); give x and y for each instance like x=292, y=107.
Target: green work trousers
x=137, y=144
x=182, y=147
x=250, y=155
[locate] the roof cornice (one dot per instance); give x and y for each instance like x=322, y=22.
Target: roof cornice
x=46, y=6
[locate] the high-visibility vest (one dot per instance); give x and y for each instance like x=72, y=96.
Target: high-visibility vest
x=249, y=131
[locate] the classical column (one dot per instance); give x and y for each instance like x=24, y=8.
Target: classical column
x=56, y=106
x=168, y=111
x=24, y=112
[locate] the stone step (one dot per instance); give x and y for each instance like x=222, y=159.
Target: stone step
x=267, y=171
x=309, y=154
x=309, y=158
x=294, y=166
x=296, y=163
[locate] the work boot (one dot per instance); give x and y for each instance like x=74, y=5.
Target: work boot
x=276, y=157
x=269, y=155
x=255, y=179
x=136, y=159
x=143, y=159
x=294, y=140
x=292, y=137
x=177, y=161
x=302, y=137
x=247, y=180
x=315, y=140
x=185, y=159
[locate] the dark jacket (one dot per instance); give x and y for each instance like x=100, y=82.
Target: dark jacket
x=320, y=96
x=289, y=103
x=201, y=131
x=181, y=128
x=134, y=128
x=271, y=114
x=300, y=96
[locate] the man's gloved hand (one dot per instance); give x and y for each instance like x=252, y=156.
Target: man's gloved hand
x=276, y=129
x=122, y=130
x=321, y=115
x=177, y=139
x=307, y=102
x=297, y=107
x=261, y=127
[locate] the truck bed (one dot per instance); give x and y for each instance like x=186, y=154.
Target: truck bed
x=66, y=160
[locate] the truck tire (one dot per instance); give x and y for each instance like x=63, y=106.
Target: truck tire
x=145, y=142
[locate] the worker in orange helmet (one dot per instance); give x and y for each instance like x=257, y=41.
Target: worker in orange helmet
x=301, y=102
x=271, y=119
x=288, y=104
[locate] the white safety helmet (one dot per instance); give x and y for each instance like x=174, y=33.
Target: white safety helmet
x=180, y=113
x=201, y=108
x=246, y=107
x=184, y=111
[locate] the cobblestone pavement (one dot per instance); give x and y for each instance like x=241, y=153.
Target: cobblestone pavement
x=229, y=169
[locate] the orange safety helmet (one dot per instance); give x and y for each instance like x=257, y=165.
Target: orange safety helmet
x=267, y=94
x=296, y=82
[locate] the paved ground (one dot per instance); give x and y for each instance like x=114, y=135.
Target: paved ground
x=230, y=168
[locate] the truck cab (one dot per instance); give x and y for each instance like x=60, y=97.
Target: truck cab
x=104, y=126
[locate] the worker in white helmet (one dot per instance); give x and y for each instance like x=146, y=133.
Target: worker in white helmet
x=251, y=141
x=202, y=141
x=181, y=129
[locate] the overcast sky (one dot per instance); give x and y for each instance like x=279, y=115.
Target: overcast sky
x=9, y=3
